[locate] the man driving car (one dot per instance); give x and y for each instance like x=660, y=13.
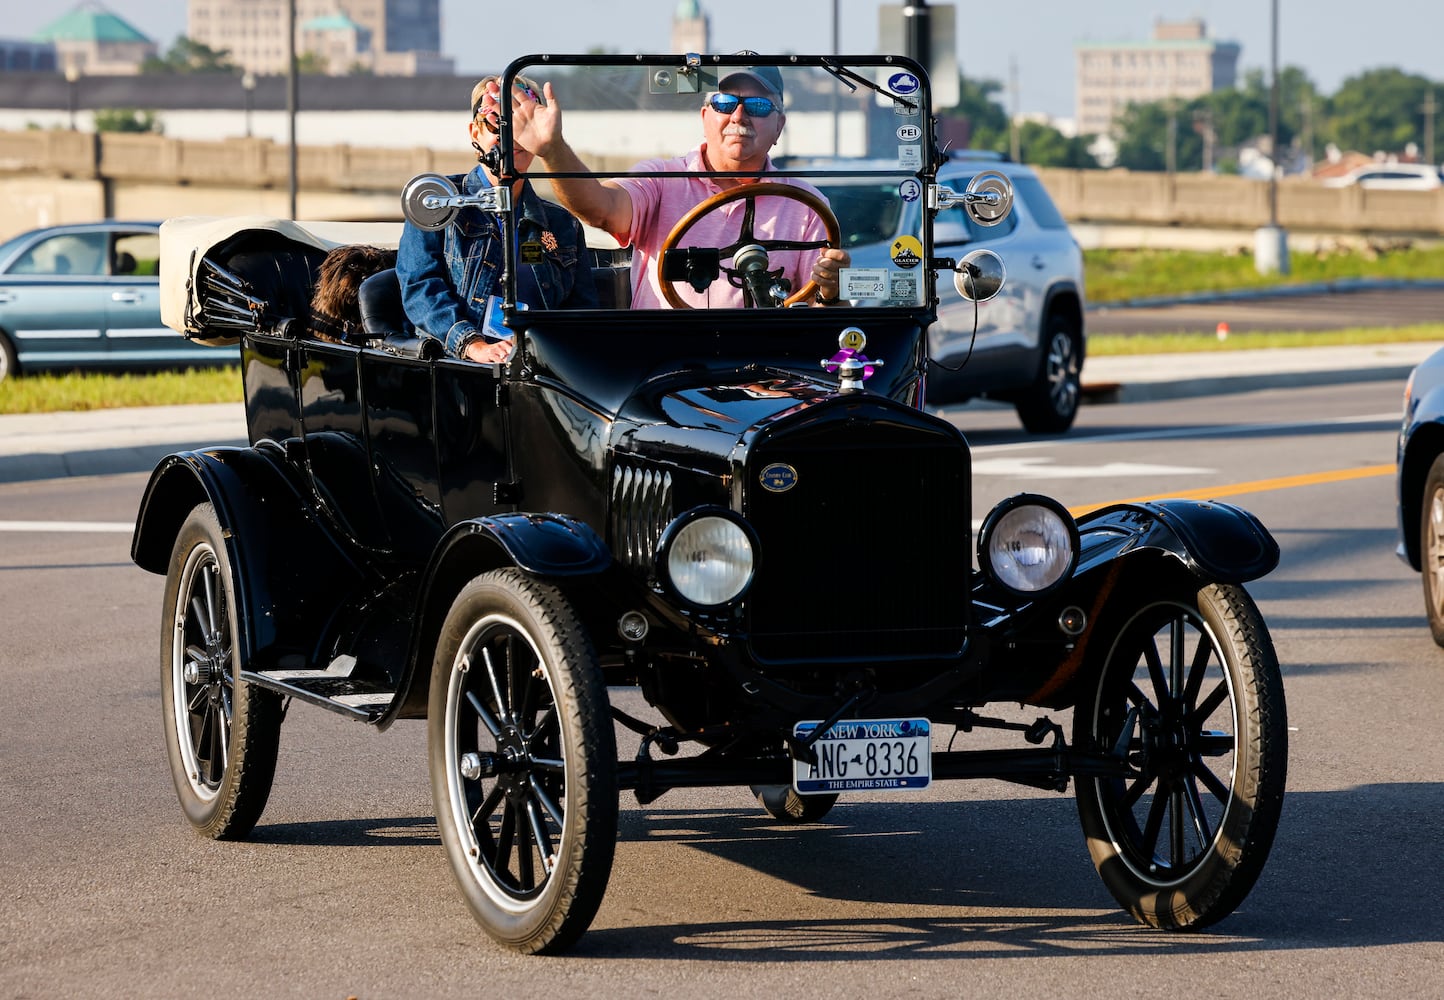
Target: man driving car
x=741, y=122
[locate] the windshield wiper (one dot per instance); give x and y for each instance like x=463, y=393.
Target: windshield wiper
x=844, y=75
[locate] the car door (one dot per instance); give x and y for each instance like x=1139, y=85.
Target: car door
x=134, y=333
x=53, y=302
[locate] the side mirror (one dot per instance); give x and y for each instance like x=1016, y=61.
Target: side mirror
x=979, y=275
x=426, y=201
x=989, y=198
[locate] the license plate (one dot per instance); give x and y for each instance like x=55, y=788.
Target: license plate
x=866, y=755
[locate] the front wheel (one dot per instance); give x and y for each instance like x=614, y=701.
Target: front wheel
x=221, y=734
x=1191, y=694
x=1431, y=548
x=1050, y=405
x=523, y=761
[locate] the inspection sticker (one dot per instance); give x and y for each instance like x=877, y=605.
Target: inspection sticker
x=910, y=157
x=864, y=282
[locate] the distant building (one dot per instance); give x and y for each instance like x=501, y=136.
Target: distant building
x=94, y=42
x=689, y=27
x=385, y=37
x=1179, y=61
x=17, y=56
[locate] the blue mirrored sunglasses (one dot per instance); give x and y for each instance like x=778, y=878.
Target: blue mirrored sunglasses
x=756, y=107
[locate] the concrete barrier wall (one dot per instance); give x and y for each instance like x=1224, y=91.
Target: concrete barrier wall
x=62, y=176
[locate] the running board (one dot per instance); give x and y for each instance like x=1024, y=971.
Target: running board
x=333, y=688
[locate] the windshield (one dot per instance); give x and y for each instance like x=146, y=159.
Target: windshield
x=719, y=182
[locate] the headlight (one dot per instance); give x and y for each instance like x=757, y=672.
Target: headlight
x=1029, y=544
x=708, y=557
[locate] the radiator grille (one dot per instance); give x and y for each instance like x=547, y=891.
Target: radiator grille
x=868, y=555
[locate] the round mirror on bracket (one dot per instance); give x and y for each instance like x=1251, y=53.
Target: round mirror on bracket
x=990, y=198
x=979, y=275
x=414, y=198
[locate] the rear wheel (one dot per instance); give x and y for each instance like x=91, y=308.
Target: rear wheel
x=1050, y=405
x=1431, y=548
x=523, y=761
x=221, y=734
x=784, y=804
x=8, y=365
x=1191, y=694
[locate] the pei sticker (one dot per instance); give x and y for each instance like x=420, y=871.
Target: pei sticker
x=909, y=133
x=779, y=477
x=907, y=252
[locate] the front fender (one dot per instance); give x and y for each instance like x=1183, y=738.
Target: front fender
x=1216, y=541
x=287, y=576
x=545, y=545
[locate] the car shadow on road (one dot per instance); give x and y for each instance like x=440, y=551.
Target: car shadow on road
x=1350, y=868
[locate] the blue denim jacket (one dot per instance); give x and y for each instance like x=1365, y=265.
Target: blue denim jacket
x=447, y=274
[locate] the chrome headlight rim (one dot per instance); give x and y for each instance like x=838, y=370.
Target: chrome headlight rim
x=997, y=519
x=677, y=528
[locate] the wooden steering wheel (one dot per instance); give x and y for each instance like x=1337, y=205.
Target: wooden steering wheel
x=750, y=193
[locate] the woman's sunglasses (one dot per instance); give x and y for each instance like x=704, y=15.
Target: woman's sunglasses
x=491, y=117
x=756, y=107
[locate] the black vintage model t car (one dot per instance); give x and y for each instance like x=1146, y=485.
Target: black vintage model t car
x=743, y=513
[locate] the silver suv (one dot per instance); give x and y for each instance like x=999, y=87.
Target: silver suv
x=1030, y=342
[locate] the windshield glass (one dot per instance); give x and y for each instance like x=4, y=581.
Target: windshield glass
x=722, y=183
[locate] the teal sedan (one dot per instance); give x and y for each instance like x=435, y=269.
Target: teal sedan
x=88, y=296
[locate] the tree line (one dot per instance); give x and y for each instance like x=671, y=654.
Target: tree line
x=1382, y=110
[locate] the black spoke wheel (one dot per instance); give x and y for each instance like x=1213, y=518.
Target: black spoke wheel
x=221, y=734
x=1191, y=694
x=784, y=804
x=523, y=761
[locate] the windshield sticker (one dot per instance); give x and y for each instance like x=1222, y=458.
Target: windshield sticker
x=863, y=282
x=905, y=108
x=910, y=157
x=903, y=286
x=907, y=252
x=910, y=190
x=909, y=133
x=903, y=83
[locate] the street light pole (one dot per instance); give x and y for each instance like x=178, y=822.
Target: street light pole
x=1271, y=243
x=72, y=84
x=291, y=99
x=248, y=84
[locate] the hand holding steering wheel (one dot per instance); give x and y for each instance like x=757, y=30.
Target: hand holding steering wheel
x=750, y=193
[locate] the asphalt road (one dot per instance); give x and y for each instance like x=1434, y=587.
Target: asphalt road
x=1369, y=308
x=974, y=889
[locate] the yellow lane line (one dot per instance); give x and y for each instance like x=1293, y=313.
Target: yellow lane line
x=1257, y=486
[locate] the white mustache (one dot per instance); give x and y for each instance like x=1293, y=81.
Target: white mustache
x=745, y=131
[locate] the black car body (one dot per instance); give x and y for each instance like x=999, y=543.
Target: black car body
x=765, y=534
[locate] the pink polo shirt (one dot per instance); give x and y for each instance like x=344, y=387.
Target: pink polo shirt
x=659, y=202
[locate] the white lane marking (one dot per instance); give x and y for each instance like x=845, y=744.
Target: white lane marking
x=66, y=526
x=1161, y=434
x=1043, y=468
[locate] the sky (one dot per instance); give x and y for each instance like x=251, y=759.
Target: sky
x=1331, y=40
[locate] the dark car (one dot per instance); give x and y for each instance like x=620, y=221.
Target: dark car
x=1026, y=345
x=742, y=516
x=1420, y=484
x=86, y=296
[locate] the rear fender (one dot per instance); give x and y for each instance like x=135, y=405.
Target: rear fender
x=546, y=545
x=286, y=588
